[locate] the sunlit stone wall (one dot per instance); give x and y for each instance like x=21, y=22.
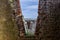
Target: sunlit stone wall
x=8, y=28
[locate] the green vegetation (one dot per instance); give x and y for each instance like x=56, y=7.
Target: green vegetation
x=29, y=33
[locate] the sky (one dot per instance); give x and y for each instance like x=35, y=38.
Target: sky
x=29, y=8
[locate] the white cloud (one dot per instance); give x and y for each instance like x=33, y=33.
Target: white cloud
x=29, y=11
x=30, y=14
x=32, y=7
x=28, y=0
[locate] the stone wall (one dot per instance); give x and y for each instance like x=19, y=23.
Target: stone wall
x=8, y=28
x=48, y=23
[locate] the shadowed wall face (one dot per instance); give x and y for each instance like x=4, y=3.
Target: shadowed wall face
x=47, y=28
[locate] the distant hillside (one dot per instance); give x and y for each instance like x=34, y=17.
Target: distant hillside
x=30, y=18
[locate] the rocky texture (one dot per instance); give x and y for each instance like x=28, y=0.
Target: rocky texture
x=48, y=25
x=8, y=28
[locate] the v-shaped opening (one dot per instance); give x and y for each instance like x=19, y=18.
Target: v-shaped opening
x=30, y=13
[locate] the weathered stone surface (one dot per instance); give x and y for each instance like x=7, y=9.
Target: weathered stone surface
x=8, y=28
x=48, y=25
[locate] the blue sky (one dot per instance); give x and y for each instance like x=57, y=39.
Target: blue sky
x=29, y=8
